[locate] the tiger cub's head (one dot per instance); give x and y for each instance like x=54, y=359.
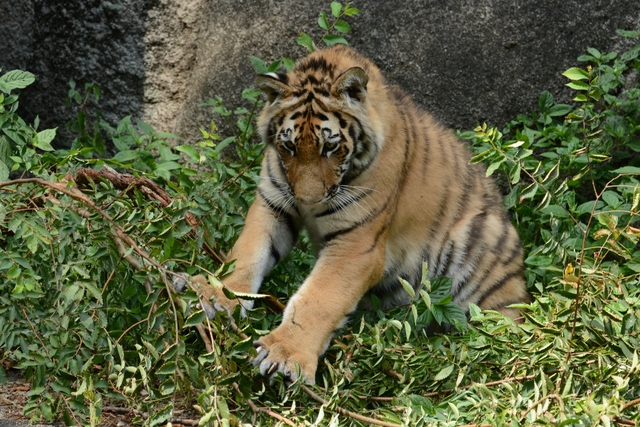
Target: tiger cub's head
x=319, y=119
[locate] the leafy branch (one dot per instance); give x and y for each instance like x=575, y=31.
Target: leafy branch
x=341, y=26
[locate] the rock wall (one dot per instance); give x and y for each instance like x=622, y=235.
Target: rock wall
x=465, y=61
x=88, y=41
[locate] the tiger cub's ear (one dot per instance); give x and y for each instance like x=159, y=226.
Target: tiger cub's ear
x=273, y=85
x=352, y=83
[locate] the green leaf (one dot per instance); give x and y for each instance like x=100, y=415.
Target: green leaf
x=3, y=376
x=323, y=21
x=288, y=64
x=595, y=52
x=560, y=110
x=43, y=139
x=161, y=416
x=545, y=101
x=576, y=74
x=557, y=211
x=14, y=272
x=16, y=79
x=494, y=166
x=4, y=171
x=515, y=174
x=538, y=260
x=408, y=288
x=305, y=41
x=32, y=244
x=258, y=65
x=189, y=151
x=274, y=66
x=168, y=166
x=627, y=170
x=578, y=85
x=444, y=373
x=342, y=26
x=351, y=11
x=333, y=39
x=336, y=8
x=195, y=319
x=242, y=295
x=126, y=156
x=145, y=127
x=630, y=34
x=611, y=198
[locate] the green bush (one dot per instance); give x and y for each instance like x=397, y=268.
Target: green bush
x=89, y=244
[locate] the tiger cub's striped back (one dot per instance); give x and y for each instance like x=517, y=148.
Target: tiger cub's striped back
x=380, y=187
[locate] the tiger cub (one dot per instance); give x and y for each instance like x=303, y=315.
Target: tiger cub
x=380, y=187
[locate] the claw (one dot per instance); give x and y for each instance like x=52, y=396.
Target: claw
x=209, y=310
x=273, y=368
x=179, y=282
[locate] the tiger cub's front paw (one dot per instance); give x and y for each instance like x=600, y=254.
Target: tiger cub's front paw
x=276, y=354
x=212, y=299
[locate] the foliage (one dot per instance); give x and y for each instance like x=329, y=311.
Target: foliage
x=339, y=25
x=88, y=313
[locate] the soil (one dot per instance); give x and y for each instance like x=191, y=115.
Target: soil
x=15, y=394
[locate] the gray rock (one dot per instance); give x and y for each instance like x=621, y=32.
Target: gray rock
x=465, y=61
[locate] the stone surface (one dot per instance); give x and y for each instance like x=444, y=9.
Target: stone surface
x=465, y=61
x=88, y=41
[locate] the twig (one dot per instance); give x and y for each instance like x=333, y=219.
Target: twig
x=392, y=374
x=630, y=404
x=267, y=411
x=467, y=387
x=348, y=413
x=539, y=401
x=125, y=182
x=119, y=410
x=624, y=421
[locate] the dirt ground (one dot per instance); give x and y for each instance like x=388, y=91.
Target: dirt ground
x=14, y=396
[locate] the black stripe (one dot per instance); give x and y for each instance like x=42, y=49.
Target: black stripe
x=516, y=252
x=317, y=63
x=408, y=122
x=352, y=134
x=476, y=231
x=333, y=235
x=310, y=97
x=330, y=236
x=274, y=252
x=279, y=212
x=443, y=257
x=496, y=286
x=376, y=239
x=342, y=121
x=320, y=116
x=336, y=208
x=471, y=247
x=283, y=77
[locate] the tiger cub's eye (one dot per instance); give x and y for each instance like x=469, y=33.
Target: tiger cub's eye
x=330, y=146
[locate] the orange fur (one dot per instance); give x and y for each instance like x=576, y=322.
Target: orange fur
x=380, y=187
